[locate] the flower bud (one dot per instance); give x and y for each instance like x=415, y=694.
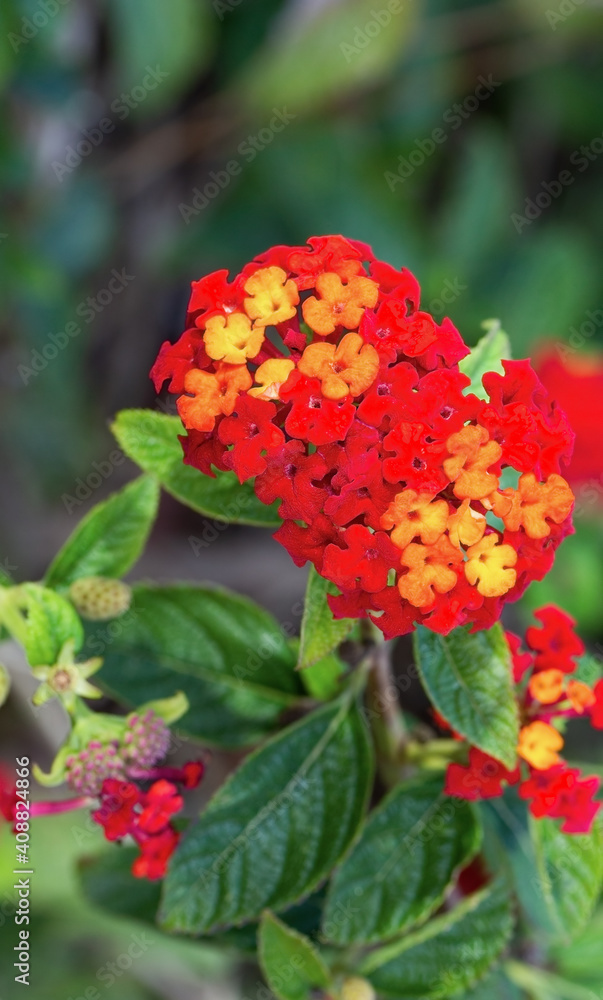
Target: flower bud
x=98, y=598
x=355, y=988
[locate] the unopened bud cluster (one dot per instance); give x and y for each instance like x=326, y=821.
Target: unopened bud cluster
x=144, y=743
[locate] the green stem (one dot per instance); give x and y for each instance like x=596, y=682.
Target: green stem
x=10, y=614
x=544, y=983
x=384, y=712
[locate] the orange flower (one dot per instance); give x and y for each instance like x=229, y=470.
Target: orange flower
x=231, y=339
x=490, y=566
x=272, y=297
x=538, y=744
x=580, y=696
x=350, y=367
x=472, y=453
x=411, y=514
x=547, y=686
x=532, y=503
x=211, y=394
x=466, y=526
x=270, y=376
x=431, y=569
x=338, y=304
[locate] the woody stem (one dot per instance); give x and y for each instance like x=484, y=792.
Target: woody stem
x=385, y=716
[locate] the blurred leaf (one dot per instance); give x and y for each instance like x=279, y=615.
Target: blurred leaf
x=224, y=652
x=344, y=54
x=277, y=827
x=547, y=256
x=569, y=873
x=449, y=954
x=468, y=678
x=151, y=440
x=402, y=866
x=475, y=212
x=108, y=883
x=281, y=948
x=321, y=633
x=109, y=540
x=151, y=38
x=486, y=356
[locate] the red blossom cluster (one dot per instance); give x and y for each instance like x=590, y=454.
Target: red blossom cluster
x=126, y=810
x=315, y=373
x=547, y=694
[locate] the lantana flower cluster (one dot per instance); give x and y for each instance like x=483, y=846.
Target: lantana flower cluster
x=315, y=373
x=548, y=694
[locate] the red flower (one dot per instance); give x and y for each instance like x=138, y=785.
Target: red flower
x=155, y=854
x=308, y=544
x=175, y=360
x=418, y=458
x=117, y=812
x=365, y=561
x=160, y=803
x=251, y=431
x=481, y=779
x=313, y=418
x=364, y=495
x=556, y=643
x=291, y=476
x=561, y=794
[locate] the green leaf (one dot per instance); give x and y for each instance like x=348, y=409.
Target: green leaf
x=226, y=654
x=468, y=678
x=109, y=540
x=159, y=58
x=568, y=875
x=292, y=966
x=404, y=863
x=323, y=679
x=486, y=356
x=276, y=828
x=108, y=883
x=447, y=956
x=51, y=622
x=151, y=440
x=320, y=632
x=349, y=49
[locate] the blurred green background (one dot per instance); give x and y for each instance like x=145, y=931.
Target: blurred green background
x=145, y=143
